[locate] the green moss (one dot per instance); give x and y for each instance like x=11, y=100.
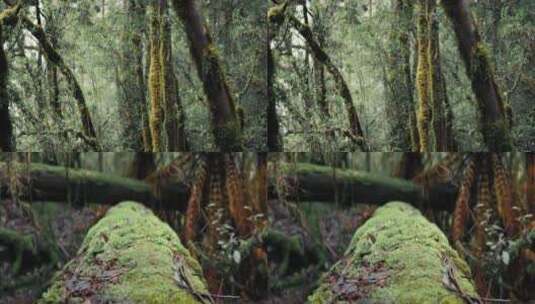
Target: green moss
x=411, y=249
x=351, y=176
x=132, y=243
x=276, y=13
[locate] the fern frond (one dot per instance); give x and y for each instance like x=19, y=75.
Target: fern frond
x=504, y=194
x=462, y=210
x=194, y=203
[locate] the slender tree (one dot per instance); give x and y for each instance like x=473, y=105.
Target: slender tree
x=226, y=125
x=8, y=16
x=398, y=80
x=475, y=55
x=277, y=15
x=130, y=82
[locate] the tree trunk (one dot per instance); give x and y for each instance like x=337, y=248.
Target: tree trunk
x=54, y=57
x=530, y=181
x=424, y=11
x=225, y=122
x=273, y=137
x=321, y=183
x=6, y=128
x=130, y=256
x=398, y=256
x=356, y=133
x=175, y=117
x=131, y=86
x=494, y=124
x=398, y=82
x=51, y=183
x=156, y=116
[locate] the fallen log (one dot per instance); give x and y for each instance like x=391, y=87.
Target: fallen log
x=307, y=182
x=42, y=182
x=398, y=256
x=130, y=256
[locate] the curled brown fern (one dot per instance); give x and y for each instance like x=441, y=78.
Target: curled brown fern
x=482, y=207
x=194, y=203
x=234, y=185
x=462, y=209
x=504, y=195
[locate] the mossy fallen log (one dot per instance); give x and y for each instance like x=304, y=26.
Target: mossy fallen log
x=309, y=182
x=59, y=184
x=130, y=256
x=397, y=256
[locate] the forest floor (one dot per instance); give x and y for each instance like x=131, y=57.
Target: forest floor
x=68, y=226
x=313, y=223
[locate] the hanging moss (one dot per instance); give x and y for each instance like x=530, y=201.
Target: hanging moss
x=129, y=256
x=423, y=74
x=156, y=116
x=397, y=256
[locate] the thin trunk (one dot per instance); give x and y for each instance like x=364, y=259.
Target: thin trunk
x=398, y=81
x=530, y=181
x=6, y=129
x=355, y=131
x=156, y=117
x=494, y=125
x=225, y=121
x=174, y=118
x=54, y=57
x=423, y=74
x=131, y=89
x=441, y=122
x=274, y=139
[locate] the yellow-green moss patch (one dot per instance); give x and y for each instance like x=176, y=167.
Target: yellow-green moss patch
x=129, y=256
x=404, y=258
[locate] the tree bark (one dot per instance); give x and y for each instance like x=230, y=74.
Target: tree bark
x=130, y=82
x=226, y=126
x=400, y=102
x=530, y=181
x=475, y=55
x=7, y=143
x=273, y=136
x=6, y=128
x=423, y=75
x=308, y=182
x=398, y=256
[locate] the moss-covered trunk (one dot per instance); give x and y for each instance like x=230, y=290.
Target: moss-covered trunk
x=6, y=129
x=41, y=182
x=130, y=256
x=130, y=79
x=397, y=256
x=274, y=140
x=308, y=182
x=175, y=116
x=398, y=81
x=423, y=74
x=90, y=135
x=355, y=132
x=494, y=125
x=225, y=121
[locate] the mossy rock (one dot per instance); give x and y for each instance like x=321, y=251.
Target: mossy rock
x=129, y=256
x=397, y=256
